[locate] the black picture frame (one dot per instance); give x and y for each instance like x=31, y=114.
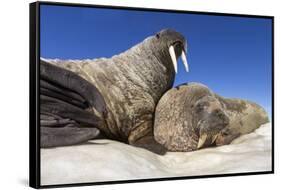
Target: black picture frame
x=34, y=106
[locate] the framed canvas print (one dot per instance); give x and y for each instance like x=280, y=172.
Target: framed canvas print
x=120, y=94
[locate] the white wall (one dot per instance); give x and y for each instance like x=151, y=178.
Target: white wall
x=14, y=92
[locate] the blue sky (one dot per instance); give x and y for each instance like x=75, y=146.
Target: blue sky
x=231, y=55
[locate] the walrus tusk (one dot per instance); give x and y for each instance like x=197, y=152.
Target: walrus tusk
x=184, y=60
x=202, y=140
x=173, y=57
x=214, y=138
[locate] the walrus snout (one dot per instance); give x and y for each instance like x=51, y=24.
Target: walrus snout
x=222, y=117
x=211, y=126
x=177, y=46
x=226, y=136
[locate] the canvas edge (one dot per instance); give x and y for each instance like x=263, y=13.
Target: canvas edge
x=34, y=142
x=34, y=135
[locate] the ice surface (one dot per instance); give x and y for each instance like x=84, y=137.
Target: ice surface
x=106, y=160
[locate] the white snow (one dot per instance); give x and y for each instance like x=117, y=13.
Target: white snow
x=106, y=160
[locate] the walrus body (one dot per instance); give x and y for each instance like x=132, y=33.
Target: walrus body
x=245, y=117
x=130, y=85
x=197, y=118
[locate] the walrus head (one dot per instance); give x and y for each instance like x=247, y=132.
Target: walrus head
x=153, y=61
x=175, y=43
x=167, y=45
x=210, y=119
x=188, y=117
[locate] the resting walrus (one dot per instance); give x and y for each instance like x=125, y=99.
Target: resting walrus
x=197, y=118
x=122, y=99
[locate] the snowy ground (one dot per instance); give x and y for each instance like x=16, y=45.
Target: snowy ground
x=106, y=160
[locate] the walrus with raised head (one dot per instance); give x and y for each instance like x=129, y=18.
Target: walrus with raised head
x=114, y=96
x=198, y=117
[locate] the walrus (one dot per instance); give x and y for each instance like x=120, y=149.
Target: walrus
x=245, y=117
x=198, y=118
x=113, y=97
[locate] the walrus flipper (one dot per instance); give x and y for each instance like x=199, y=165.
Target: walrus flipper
x=64, y=101
x=69, y=135
x=143, y=137
x=63, y=124
x=149, y=143
x=69, y=81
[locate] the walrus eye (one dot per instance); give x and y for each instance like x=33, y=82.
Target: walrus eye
x=157, y=35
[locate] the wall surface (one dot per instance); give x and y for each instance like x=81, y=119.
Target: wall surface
x=14, y=92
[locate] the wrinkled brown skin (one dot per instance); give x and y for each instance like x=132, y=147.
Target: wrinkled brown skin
x=182, y=110
x=245, y=117
x=131, y=84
